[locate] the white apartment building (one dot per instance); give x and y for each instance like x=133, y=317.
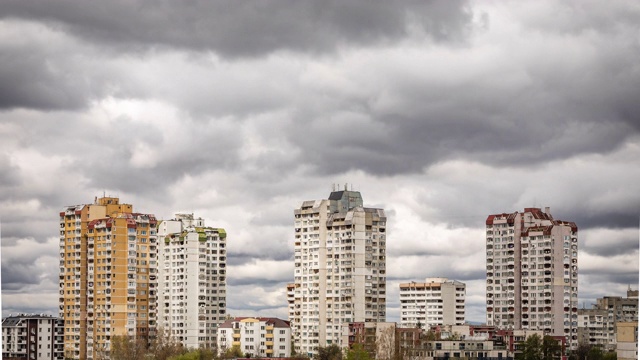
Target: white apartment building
x=532, y=273
x=260, y=337
x=32, y=336
x=340, y=269
x=192, y=280
x=436, y=301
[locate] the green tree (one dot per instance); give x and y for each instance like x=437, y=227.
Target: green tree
x=611, y=355
x=551, y=348
x=580, y=353
x=531, y=348
x=357, y=352
x=595, y=353
x=331, y=352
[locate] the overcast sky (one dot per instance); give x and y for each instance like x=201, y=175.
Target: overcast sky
x=440, y=112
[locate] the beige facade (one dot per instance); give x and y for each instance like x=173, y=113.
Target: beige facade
x=627, y=339
x=532, y=273
x=107, y=276
x=436, y=301
x=340, y=269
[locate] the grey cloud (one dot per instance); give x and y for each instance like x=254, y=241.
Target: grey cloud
x=252, y=281
x=50, y=71
x=246, y=28
x=275, y=253
x=16, y=276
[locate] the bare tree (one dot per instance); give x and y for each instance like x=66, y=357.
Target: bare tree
x=164, y=346
x=125, y=348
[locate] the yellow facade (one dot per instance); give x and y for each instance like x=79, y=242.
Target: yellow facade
x=105, y=275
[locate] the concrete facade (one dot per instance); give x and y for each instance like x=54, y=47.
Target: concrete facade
x=598, y=326
x=532, y=273
x=192, y=280
x=340, y=269
x=436, y=301
x=107, y=276
x=627, y=340
x=32, y=336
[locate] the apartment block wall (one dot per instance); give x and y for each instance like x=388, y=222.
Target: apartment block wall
x=598, y=326
x=436, y=301
x=192, y=280
x=627, y=340
x=340, y=269
x=107, y=276
x=532, y=273
x=31, y=336
x=259, y=337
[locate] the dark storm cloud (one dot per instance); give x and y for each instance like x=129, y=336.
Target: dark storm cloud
x=15, y=276
x=630, y=278
x=41, y=68
x=608, y=218
x=246, y=28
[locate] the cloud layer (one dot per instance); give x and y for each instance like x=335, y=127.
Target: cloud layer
x=441, y=112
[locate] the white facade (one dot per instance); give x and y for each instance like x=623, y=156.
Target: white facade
x=532, y=273
x=192, y=280
x=260, y=337
x=340, y=269
x=436, y=301
x=32, y=337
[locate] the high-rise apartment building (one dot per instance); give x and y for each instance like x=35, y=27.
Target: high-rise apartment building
x=107, y=276
x=436, y=301
x=340, y=268
x=532, y=273
x=256, y=336
x=32, y=336
x=192, y=280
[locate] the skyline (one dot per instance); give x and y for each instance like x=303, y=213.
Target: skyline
x=440, y=112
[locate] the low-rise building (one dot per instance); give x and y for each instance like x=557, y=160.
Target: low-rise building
x=388, y=341
x=597, y=326
x=256, y=336
x=32, y=336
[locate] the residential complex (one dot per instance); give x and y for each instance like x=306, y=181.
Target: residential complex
x=436, y=301
x=107, y=276
x=340, y=269
x=389, y=341
x=192, y=280
x=259, y=337
x=32, y=336
x=532, y=273
x=598, y=326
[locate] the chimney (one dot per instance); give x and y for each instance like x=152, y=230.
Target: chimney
x=547, y=210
